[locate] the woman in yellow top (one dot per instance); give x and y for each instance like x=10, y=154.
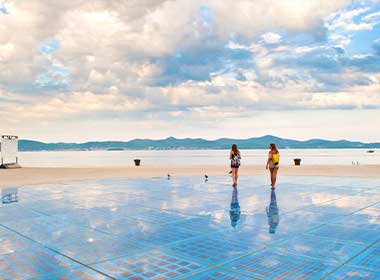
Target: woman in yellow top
x=273, y=163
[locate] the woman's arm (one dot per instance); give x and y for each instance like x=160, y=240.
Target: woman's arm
x=230, y=155
x=269, y=159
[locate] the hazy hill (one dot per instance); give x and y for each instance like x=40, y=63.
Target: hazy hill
x=191, y=143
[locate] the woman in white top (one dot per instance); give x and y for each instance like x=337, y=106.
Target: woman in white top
x=235, y=163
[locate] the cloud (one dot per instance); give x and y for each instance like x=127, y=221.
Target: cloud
x=65, y=106
x=344, y=100
x=294, y=16
x=359, y=26
x=222, y=96
x=201, y=59
x=132, y=45
x=271, y=38
x=120, y=36
x=356, y=18
x=372, y=16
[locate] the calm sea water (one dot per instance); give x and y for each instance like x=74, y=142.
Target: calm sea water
x=193, y=157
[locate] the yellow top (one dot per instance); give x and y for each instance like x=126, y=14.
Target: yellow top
x=275, y=158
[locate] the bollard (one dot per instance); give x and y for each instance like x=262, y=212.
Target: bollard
x=297, y=161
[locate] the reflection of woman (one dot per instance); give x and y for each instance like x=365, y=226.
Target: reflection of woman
x=235, y=208
x=273, y=163
x=273, y=213
x=235, y=163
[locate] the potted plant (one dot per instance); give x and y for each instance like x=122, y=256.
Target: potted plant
x=297, y=161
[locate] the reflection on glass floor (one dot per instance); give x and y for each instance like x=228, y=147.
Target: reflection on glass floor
x=309, y=228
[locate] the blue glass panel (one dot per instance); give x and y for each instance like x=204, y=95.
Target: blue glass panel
x=150, y=265
x=353, y=273
x=214, y=249
x=274, y=265
x=369, y=259
x=32, y=262
x=77, y=274
x=219, y=274
x=325, y=249
x=340, y=232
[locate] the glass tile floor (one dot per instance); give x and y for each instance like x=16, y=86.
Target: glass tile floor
x=185, y=228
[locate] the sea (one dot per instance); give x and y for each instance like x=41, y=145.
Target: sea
x=193, y=157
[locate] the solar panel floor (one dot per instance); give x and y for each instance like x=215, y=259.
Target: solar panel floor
x=185, y=228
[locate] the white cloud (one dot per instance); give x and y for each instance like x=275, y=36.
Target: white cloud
x=271, y=38
x=114, y=53
x=344, y=20
x=331, y=124
x=121, y=35
x=222, y=94
x=344, y=99
x=248, y=17
x=236, y=46
x=372, y=16
x=340, y=39
x=359, y=26
x=66, y=106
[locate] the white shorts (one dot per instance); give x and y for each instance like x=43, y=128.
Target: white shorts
x=272, y=165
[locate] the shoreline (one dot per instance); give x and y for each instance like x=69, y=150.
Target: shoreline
x=45, y=175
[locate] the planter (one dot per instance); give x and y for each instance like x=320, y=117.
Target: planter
x=297, y=161
x=137, y=162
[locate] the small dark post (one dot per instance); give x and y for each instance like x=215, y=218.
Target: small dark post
x=297, y=161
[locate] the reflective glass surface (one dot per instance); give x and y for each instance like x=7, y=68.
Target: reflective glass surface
x=186, y=228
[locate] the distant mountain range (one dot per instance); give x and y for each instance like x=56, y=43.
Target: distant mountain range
x=172, y=143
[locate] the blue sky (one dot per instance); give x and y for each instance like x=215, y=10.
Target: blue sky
x=117, y=70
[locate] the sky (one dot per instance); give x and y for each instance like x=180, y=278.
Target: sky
x=74, y=70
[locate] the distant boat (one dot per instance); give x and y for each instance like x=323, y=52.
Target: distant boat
x=115, y=149
x=370, y=151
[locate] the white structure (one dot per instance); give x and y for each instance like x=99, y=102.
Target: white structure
x=8, y=150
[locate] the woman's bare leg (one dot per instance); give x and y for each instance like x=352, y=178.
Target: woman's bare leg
x=271, y=176
x=275, y=170
x=234, y=175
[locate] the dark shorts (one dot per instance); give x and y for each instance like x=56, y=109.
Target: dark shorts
x=235, y=165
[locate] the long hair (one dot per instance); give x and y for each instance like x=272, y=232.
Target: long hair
x=273, y=148
x=235, y=149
